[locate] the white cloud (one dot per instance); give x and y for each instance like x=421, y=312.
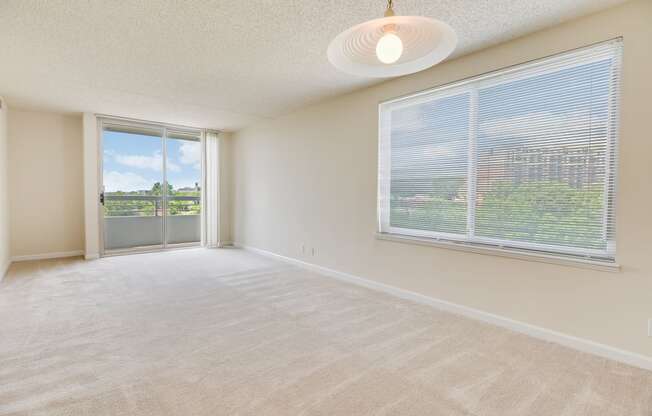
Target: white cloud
x=153, y=162
x=125, y=181
x=190, y=154
x=439, y=150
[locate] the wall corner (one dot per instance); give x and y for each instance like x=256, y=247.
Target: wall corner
x=91, y=186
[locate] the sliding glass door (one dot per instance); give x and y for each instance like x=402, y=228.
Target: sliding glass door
x=152, y=182
x=183, y=205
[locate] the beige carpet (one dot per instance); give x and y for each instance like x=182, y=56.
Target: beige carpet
x=225, y=332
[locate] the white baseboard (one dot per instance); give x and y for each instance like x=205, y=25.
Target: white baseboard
x=570, y=341
x=91, y=256
x=4, y=269
x=45, y=256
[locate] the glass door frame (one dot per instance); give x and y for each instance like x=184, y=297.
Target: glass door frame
x=162, y=128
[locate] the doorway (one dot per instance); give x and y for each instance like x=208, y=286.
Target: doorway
x=152, y=186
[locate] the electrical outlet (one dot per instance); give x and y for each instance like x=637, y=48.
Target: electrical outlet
x=649, y=327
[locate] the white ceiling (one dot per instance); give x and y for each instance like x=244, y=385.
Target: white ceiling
x=219, y=64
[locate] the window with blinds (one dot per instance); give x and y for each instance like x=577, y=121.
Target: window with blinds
x=522, y=158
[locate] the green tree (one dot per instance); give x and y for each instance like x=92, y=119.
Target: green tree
x=157, y=189
x=545, y=212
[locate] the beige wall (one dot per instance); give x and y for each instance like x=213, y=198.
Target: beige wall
x=310, y=178
x=45, y=183
x=90, y=149
x=4, y=201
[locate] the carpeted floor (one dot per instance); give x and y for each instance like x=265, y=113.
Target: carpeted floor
x=226, y=332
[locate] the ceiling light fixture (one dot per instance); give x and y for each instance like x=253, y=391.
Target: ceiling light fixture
x=392, y=45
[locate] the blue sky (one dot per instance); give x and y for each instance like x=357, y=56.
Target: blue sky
x=133, y=162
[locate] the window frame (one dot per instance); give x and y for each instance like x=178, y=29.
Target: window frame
x=472, y=86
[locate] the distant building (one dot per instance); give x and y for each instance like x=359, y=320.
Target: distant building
x=196, y=188
x=577, y=167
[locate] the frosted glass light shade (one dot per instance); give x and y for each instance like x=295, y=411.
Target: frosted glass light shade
x=389, y=48
x=425, y=41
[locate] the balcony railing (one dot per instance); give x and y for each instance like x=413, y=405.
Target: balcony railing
x=149, y=205
x=137, y=220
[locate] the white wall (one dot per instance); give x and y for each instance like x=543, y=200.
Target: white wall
x=4, y=184
x=310, y=178
x=45, y=183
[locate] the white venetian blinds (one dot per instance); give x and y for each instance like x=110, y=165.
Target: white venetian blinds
x=523, y=158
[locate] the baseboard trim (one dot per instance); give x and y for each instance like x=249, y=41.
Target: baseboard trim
x=4, y=270
x=219, y=244
x=45, y=256
x=580, y=344
x=91, y=256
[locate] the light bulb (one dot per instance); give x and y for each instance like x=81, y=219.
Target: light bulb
x=389, y=48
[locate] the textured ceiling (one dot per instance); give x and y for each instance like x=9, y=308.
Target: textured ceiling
x=220, y=64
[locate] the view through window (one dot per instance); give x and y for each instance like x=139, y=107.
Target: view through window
x=522, y=158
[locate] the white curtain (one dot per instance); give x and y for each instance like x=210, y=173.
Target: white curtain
x=211, y=193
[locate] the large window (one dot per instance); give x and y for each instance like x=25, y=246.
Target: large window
x=523, y=158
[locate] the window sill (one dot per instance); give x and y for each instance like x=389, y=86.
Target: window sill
x=503, y=252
